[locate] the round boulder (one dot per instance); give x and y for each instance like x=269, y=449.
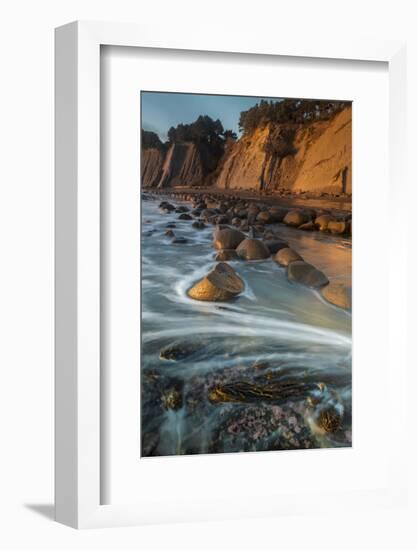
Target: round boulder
x=295, y=218
x=321, y=222
x=253, y=249
x=264, y=217
x=306, y=274
x=185, y=216
x=338, y=294
x=277, y=213
x=227, y=238
x=287, y=255
x=220, y=284
x=337, y=227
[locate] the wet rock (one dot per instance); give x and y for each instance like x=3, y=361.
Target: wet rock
x=287, y=255
x=225, y=255
x=338, y=293
x=171, y=225
x=220, y=284
x=306, y=274
x=181, y=209
x=264, y=217
x=321, y=222
x=180, y=349
x=253, y=249
x=172, y=399
x=222, y=219
x=169, y=233
x=227, y=238
x=277, y=213
x=275, y=245
x=248, y=392
x=329, y=420
x=198, y=225
x=185, y=217
x=337, y=227
x=295, y=218
x=166, y=206
x=180, y=240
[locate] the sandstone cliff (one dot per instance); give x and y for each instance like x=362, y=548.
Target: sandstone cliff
x=152, y=162
x=183, y=164
x=313, y=157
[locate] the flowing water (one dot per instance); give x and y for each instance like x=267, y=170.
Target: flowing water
x=288, y=331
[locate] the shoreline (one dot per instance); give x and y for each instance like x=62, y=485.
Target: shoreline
x=250, y=230
x=328, y=202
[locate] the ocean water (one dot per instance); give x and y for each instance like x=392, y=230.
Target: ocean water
x=275, y=333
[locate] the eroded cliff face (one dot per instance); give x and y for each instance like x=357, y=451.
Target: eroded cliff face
x=183, y=164
x=314, y=157
x=152, y=162
x=294, y=157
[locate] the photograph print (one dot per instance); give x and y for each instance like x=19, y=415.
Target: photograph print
x=246, y=273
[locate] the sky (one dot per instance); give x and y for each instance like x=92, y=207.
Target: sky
x=162, y=110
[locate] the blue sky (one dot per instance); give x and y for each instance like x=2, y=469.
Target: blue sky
x=161, y=110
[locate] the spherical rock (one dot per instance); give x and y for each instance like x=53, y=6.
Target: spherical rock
x=306, y=274
x=321, y=222
x=278, y=213
x=295, y=218
x=337, y=227
x=287, y=255
x=253, y=249
x=220, y=284
x=264, y=217
x=227, y=238
x=185, y=217
x=338, y=293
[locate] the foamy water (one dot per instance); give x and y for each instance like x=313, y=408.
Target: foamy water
x=274, y=321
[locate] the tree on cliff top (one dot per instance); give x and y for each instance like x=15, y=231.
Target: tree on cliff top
x=150, y=140
x=203, y=130
x=295, y=111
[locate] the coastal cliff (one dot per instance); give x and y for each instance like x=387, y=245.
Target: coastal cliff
x=314, y=157
x=294, y=157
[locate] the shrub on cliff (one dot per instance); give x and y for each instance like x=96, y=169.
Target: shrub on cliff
x=297, y=111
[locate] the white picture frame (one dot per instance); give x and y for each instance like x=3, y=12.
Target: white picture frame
x=77, y=242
